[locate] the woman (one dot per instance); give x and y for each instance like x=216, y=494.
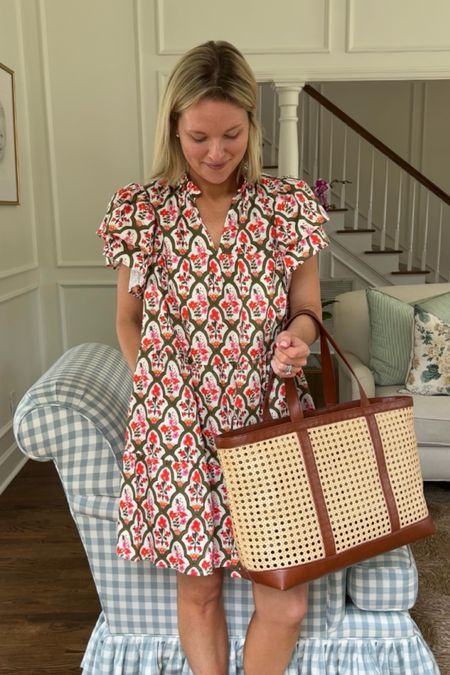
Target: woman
x=211, y=254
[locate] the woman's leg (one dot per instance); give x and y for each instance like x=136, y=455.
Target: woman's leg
x=274, y=629
x=201, y=623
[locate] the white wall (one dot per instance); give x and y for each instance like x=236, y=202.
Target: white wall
x=88, y=76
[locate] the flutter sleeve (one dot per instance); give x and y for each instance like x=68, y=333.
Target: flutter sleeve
x=128, y=233
x=299, y=219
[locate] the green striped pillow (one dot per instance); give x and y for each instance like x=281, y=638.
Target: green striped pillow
x=391, y=337
x=391, y=332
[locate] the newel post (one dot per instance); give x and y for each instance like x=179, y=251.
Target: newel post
x=288, y=97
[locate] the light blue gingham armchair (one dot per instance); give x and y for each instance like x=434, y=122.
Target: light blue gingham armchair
x=358, y=621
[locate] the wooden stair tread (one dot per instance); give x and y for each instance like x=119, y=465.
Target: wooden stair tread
x=337, y=210
x=415, y=270
x=377, y=250
x=347, y=231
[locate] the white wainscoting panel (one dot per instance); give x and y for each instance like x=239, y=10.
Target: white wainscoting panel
x=20, y=366
x=11, y=459
x=92, y=113
x=292, y=27
x=88, y=312
x=17, y=223
x=10, y=465
x=386, y=26
x=20, y=354
x=6, y=440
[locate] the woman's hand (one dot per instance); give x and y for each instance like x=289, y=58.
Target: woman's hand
x=291, y=354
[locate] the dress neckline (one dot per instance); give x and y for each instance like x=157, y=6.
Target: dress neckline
x=186, y=187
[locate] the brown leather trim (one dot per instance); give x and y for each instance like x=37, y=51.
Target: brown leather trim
x=253, y=433
x=383, y=471
x=295, y=410
x=328, y=338
x=312, y=418
x=284, y=579
x=329, y=380
x=317, y=493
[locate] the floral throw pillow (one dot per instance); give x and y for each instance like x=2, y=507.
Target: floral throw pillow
x=429, y=373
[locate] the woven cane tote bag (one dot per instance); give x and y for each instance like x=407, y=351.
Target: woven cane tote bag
x=320, y=490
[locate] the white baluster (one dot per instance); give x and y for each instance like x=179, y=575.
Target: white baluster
x=330, y=152
x=383, y=227
x=288, y=148
x=273, y=149
x=259, y=105
x=344, y=168
x=372, y=176
x=358, y=172
x=423, y=261
x=439, y=243
x=315, y=173
x=304, y=101
x=411, y=238
x=332, y=266
x=399, y=212
x=260, y=108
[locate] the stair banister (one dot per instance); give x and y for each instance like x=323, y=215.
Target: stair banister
x=379, y=145
x=409, y=219
x=423, y=223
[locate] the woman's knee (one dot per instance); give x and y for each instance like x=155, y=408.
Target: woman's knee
x=200, y=592
x=286, y=608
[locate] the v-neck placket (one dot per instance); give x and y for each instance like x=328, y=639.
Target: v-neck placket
x=232, y=219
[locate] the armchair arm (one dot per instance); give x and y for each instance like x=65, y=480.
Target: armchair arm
x=348, y=390
x=387, y=582
x=91, y=381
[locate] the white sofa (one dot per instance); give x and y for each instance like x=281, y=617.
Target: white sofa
x=351, y=328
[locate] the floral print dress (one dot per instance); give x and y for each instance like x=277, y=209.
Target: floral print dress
x=210, y=319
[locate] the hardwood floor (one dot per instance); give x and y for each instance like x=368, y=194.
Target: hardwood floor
x=48, y=602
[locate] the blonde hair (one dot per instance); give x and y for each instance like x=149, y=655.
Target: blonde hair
x=213, y=70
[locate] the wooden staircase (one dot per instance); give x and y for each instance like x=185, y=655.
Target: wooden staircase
x=383, y=266
x=391, y=225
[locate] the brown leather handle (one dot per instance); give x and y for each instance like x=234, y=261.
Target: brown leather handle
x=329, y=382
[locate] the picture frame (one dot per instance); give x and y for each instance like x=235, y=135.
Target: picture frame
x=9, y=174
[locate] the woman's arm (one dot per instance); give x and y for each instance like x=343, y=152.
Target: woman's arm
x=304, y=293
x=128, y=318
x=292, y=345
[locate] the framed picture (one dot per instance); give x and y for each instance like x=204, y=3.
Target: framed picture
x=9, y=177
